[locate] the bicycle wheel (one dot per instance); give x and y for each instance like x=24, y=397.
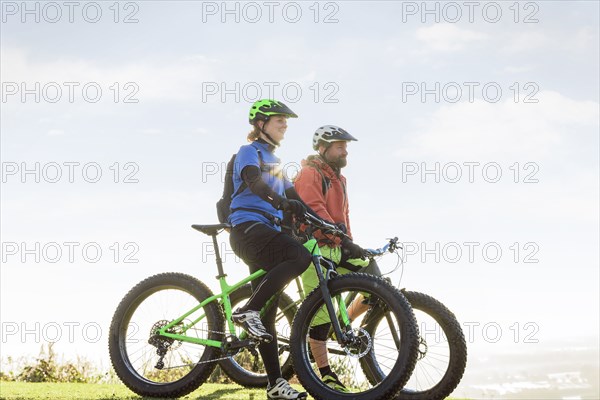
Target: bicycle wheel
x=134, y=346
x=442, y=350
x=345, y=360
x=246, y=367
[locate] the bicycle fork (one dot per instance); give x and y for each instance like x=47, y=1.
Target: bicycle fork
x=340, y=335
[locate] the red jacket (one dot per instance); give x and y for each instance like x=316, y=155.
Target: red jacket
x=331, y=206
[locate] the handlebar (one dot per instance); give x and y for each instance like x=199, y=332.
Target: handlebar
x=325, y=226
x=390, y=246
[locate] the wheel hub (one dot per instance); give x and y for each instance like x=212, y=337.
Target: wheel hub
x=422, y=350
x=162, y=343
x=360, y=343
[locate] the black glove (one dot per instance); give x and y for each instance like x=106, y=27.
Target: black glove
x=353, y=250
x=293, y=206
x=342, y=227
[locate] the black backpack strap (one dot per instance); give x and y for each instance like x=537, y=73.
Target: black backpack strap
x=325, y=181
x=243, y=186
x=224, y=204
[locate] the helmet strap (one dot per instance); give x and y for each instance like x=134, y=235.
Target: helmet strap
x=270, y=139
x=325, y=151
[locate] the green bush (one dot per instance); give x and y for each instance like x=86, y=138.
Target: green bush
x=46, y=368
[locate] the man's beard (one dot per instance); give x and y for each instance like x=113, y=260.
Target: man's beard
x=340, y=162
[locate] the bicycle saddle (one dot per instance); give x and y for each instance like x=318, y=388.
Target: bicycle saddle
x=211, y=230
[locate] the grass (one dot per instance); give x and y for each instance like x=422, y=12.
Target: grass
x=98, y=391
x=91, y=391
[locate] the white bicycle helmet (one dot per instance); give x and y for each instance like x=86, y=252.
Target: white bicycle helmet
x=330, y=134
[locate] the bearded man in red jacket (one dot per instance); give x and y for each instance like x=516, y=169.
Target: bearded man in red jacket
x=322, y=187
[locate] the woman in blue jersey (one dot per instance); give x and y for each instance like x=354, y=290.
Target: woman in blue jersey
x=262, y=195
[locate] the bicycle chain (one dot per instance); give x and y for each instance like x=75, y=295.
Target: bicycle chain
x=198, y=363
x=201, y=362
x=224, y=334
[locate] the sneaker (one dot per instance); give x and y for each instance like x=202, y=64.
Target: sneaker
x=283, y=390
x=250, y=321
x=333, y=382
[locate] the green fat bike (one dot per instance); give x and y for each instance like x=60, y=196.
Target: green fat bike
x=442, y=354
x=170, y=331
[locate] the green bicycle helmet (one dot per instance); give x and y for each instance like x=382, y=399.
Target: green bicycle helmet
x=265, y=108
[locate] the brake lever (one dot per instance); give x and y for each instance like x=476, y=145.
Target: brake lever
x=323, y=226
x=394, y=244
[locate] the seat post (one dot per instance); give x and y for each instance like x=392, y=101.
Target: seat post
x=218, y=257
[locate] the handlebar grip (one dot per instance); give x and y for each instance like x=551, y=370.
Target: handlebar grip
x=321, y=224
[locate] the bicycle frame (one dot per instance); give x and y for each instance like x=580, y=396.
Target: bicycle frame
x=226, y=290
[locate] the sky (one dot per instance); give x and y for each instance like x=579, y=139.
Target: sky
x=477, y=127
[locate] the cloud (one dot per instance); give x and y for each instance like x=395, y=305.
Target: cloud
x=177, y=79
x=582, y=40
x=517, y=69
x=524, y=42
x=504, y=130
x=110, y=208
x=586, y=38
x=150, y=131
x=447, y=37
x=201, y=131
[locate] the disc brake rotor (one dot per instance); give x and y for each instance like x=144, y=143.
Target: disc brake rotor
x=422, y=350
x=361, y=344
